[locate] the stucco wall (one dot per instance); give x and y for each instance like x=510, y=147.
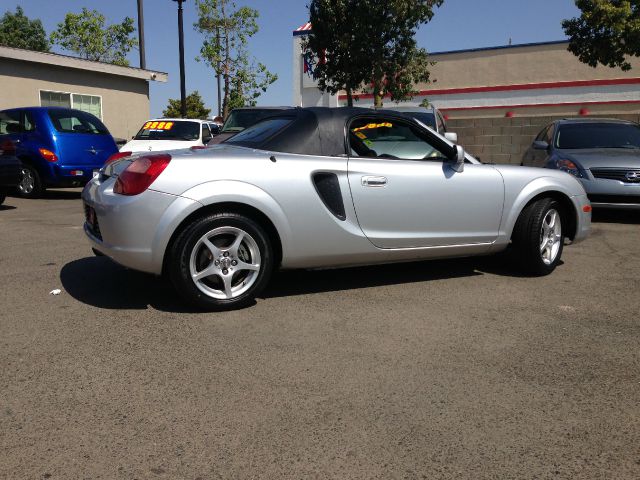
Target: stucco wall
x=125, y=101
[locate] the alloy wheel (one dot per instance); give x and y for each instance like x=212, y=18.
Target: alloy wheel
x=550, y=236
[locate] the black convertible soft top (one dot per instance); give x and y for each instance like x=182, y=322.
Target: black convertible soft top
x=321, y=130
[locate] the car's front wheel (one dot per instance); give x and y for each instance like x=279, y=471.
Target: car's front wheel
x=30, y=185
x=221, y=261
x=538, y=238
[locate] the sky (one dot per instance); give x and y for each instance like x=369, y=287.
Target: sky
x=457, y=25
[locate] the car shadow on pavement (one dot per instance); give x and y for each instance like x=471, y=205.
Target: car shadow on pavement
x=102, y=283
x=615, y=216
x=99, y=282
x=62, y=194
x=7, y=207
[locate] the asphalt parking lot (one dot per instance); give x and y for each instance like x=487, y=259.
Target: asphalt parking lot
x=450, y=369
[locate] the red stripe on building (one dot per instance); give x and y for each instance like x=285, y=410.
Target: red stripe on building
x=537, y=105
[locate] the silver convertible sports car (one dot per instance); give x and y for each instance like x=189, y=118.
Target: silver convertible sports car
x=323, y=188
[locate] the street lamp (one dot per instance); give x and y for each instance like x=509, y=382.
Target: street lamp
x=183, y=93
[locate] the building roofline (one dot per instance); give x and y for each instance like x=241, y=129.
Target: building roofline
x=502, y=47
x=66, y=61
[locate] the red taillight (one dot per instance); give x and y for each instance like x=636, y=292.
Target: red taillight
x=142, y=172
x=7, y=148
x=117, y=156
x=48, y=155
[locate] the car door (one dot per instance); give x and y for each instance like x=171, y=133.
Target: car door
x=406, y=193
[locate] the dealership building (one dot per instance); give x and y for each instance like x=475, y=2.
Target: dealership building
x=498, y=98
x=118, y=95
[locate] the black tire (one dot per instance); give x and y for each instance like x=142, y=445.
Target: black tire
x=222, y=228
x=30, y=185
x=529, y=234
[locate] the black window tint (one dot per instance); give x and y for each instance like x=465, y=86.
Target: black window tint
x=598, y=135
x=389, y=138
x=73, y=121
x=428, y=119
x=258, y=133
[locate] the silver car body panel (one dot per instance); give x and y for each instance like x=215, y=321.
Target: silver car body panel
x=432, y=211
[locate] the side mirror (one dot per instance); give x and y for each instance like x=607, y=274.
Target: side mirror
x=540, y=145
x=458, y=159
x=451, y=136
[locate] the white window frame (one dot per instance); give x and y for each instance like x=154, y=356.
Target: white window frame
x=71, y=94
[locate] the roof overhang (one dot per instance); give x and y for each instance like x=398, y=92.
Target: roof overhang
x=80, y=64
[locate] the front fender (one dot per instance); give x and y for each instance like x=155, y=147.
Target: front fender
x=222, y=191
x=517, y=200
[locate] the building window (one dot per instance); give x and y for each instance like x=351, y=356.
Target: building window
x=86, y=103
x=55, y=99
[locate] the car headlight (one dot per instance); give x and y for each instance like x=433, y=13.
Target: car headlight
x=569, y=167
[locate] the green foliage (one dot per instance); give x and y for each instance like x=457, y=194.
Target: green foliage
x=195, y=107
x=87, y=35
x=227, y=30
x=607, y=32
x=368, y=42
x=17, y=31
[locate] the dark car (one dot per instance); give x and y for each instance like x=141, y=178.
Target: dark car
x=10, y=169
x=241, y=118
x=58, y=147
x=604, y=154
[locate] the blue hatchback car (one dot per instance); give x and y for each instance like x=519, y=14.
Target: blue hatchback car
x=58, y=147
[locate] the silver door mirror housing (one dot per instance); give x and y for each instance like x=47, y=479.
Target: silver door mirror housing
x=458, y=159
x=540, y=145
x=451, y=136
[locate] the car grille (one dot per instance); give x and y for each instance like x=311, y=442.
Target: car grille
x=630, y=199
x=620, y=174
x=92, y=221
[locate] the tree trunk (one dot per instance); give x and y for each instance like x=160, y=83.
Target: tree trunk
x=349, y=98
x=227, y=60
x=377, y=94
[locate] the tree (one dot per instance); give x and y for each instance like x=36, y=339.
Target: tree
x=227, y=30
x=607, y=32
x=195, y=107
x=87, y=35
x=368, y=42
x=17, y=31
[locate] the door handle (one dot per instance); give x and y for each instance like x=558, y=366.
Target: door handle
x=373, y=181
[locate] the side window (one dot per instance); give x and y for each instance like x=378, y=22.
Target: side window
x=206, y=134
x=389, y=138
x=543, y=133
x=10, y=122
x=441, y=127
x=548, y=137
x=27, y=122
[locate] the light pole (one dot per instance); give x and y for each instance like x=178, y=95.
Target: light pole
x=143, y=63
x=183, y=93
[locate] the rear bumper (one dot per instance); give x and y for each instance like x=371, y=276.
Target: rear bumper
x=10, y=172
x=132, y=230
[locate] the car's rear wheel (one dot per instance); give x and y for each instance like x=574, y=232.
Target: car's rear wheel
x=538, y=238
x=30, y=185
x=221, y=261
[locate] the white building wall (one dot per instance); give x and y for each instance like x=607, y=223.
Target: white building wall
x=305, y=89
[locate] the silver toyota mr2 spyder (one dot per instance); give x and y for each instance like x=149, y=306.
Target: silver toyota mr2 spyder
x=323, y=188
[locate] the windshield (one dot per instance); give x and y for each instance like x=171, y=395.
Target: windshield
x=429, y=119
x=598, y=135
x=238, y=120
x=169, y=130
x=73, y=121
